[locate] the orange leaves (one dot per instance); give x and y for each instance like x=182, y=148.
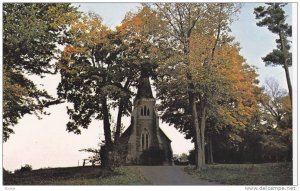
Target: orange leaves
x=228, y=71
x=142, y=23
x=286, y=102
x=131, y=23
x=241, y=78
x=69, y=50
x=88, y=31
x=228, y=68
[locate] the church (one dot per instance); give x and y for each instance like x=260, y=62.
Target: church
x=144, y=133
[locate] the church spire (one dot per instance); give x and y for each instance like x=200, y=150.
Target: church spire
x=144, y=88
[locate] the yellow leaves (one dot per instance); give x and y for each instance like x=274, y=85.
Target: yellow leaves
x=200, y=52
x=200, y=49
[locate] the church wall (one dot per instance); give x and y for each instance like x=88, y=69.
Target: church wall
x=147, y=122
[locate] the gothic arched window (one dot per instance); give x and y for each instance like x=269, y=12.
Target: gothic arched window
x=145, y=110
x=145, y=140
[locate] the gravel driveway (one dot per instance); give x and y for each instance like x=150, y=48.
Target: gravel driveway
x=170, y=175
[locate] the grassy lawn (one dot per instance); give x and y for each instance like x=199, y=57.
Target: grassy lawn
x=77, y=176
x=247, y=174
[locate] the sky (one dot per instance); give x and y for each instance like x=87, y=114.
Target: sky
x=46, y=143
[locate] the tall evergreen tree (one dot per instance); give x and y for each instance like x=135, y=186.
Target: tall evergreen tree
x=273, y=16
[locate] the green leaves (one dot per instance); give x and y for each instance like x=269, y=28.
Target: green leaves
x=273, y=17
x=277, y=57
x=31, y=33
x=20, y=97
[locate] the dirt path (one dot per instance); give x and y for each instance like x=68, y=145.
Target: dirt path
x=170, y=175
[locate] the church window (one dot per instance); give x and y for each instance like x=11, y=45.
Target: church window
x=145, y=140
x=145, y=110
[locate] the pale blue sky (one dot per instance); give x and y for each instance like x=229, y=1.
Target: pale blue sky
x=256, y=42
x=46, y=142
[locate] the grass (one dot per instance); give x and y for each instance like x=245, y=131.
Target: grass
x=246, y=174
x=77, y=176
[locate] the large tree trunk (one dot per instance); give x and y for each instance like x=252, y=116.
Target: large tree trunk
x=120, y=112
x=285, y=66
x=106, y=150
x=198, y=146
x=198, y=143
x=210, y=150
x=202, y=132
x=287, y=74
x=193, y=107
x=106, y=123
x=119, y=120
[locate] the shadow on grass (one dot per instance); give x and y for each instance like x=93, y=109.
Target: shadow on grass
x=76, y=176
x=246, y=174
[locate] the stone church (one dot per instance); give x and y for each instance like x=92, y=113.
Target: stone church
x=144, y=132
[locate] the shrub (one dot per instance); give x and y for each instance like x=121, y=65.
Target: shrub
x=25, y=168
x=183, y=163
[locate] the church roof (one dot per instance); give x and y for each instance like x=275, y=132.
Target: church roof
x=163, y=133
x=144, y=89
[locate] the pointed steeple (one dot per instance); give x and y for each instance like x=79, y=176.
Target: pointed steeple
x=144, y=88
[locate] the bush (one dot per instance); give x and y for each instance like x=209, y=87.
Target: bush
x=181, y=163
x=153, y=156
x=25, y=168
x=6, y=172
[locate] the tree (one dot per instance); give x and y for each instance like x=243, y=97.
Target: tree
x=267, y=137
x=230, y=92
x=31, y=34
x=137, y=54
x=99, y=69
x=86, y=69
x=273, y=16
x=181, y=21
x=275, y=103
x=277, y=108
